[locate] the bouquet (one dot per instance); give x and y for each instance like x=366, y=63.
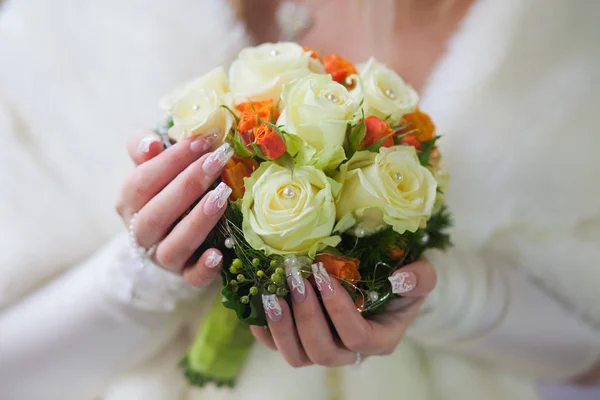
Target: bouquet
x=335, y=168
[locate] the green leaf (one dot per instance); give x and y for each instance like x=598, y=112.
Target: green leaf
x=356, y=135
x=251, y=313
x=238, y=145
x=235, y=117
x=425, y=153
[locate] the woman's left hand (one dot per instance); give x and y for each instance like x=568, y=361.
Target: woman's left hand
x=304, y=337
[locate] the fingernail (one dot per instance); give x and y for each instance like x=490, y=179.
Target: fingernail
x=203, y=144
x=217, y=199
x=272, y=307
x=217, y=160
x=145, y=143
x=403, y=282
x=322, y=279
x=213, y=259
x=296, y=284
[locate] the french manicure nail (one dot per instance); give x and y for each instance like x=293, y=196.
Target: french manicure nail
x=217, y=199
x=145, y=143
x=213, y=259
x=272, y=307
x=296, y=283
x=203, y=144
x=322, y=279
x=217, y=160
x=403, y=282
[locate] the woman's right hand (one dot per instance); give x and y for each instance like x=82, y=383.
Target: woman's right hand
x=163, y=186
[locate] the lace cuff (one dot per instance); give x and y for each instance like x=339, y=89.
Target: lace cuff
x=142, y=284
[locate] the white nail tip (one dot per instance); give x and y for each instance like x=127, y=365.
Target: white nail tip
x=271, y=305
x=321, y=276
x=145, y=143
x=296, y=281
x=213, y=259
x=401, y=282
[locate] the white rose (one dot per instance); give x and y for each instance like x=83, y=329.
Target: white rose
x=259, y=72
x=389, y=188
x=289, y=212
x=317, y=109
x=383, y=92
x=197, y=109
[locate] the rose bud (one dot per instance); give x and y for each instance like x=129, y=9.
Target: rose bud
x=270, y=142
x=345, y=268
x=339, y=68
x=265, y=110
x=377, y=130
x=234, y=173
x=313, y=53
x=419, y=124
x=411, y=140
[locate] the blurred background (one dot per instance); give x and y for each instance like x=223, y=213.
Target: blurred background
x=76, y=78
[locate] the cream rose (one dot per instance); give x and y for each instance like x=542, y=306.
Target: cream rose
x=383, y=92
x=197, y=109
x=259, y=72
x=317, y=109
x=389, y=188
x=289, y=212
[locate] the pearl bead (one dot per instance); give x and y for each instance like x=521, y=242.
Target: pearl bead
x=390, y=93
x=229, y=243
x=360, y=232
x=331, y=97
x=274, y=52
x=195, y=107
x=373, y=296
x=425, y=239
x=398, y=177
x=289, y=192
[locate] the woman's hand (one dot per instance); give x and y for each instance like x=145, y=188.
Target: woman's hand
x=162, y=188
x=303, y=336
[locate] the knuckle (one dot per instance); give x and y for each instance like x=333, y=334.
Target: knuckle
x=166, y=258
x=324, y=358
x=304, y=317
x=359, y=342
x=296, y=363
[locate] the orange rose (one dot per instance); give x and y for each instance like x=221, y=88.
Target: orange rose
x=339, y=68
x=343, y=267
x=411, y=140
x=396, y=252
x=234, y=172
x=313, y=53
x=265, y=110
x=269, y=141
x=419, y=124
x=376, y=130
x=248, y=121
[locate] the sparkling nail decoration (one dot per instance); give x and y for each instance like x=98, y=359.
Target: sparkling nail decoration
x=145, y=143
x=295, y=279
x=321, y=276
x=402, y=282
x=271, y=306
x=217, y=159
x=213, y=259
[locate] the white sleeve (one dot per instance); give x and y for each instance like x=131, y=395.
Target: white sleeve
x=108, y=314
x=482, y=307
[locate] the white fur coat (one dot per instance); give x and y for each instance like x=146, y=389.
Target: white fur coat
x=516, y=97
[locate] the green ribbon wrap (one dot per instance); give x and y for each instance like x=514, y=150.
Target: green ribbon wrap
x=220, y=348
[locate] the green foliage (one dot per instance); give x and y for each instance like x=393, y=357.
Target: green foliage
x=427, y=148
x=355, y=134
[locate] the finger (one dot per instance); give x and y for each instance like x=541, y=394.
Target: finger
x=152, y=176
x=162, y=211
x=143, y=146
x=416, y=279
x=261, y=334
x=187, y=236
x=206, y=269
x=354, y=331
x=283, y=331
x=314, y=332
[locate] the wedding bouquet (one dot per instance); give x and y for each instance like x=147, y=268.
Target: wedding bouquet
x=335, y=168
